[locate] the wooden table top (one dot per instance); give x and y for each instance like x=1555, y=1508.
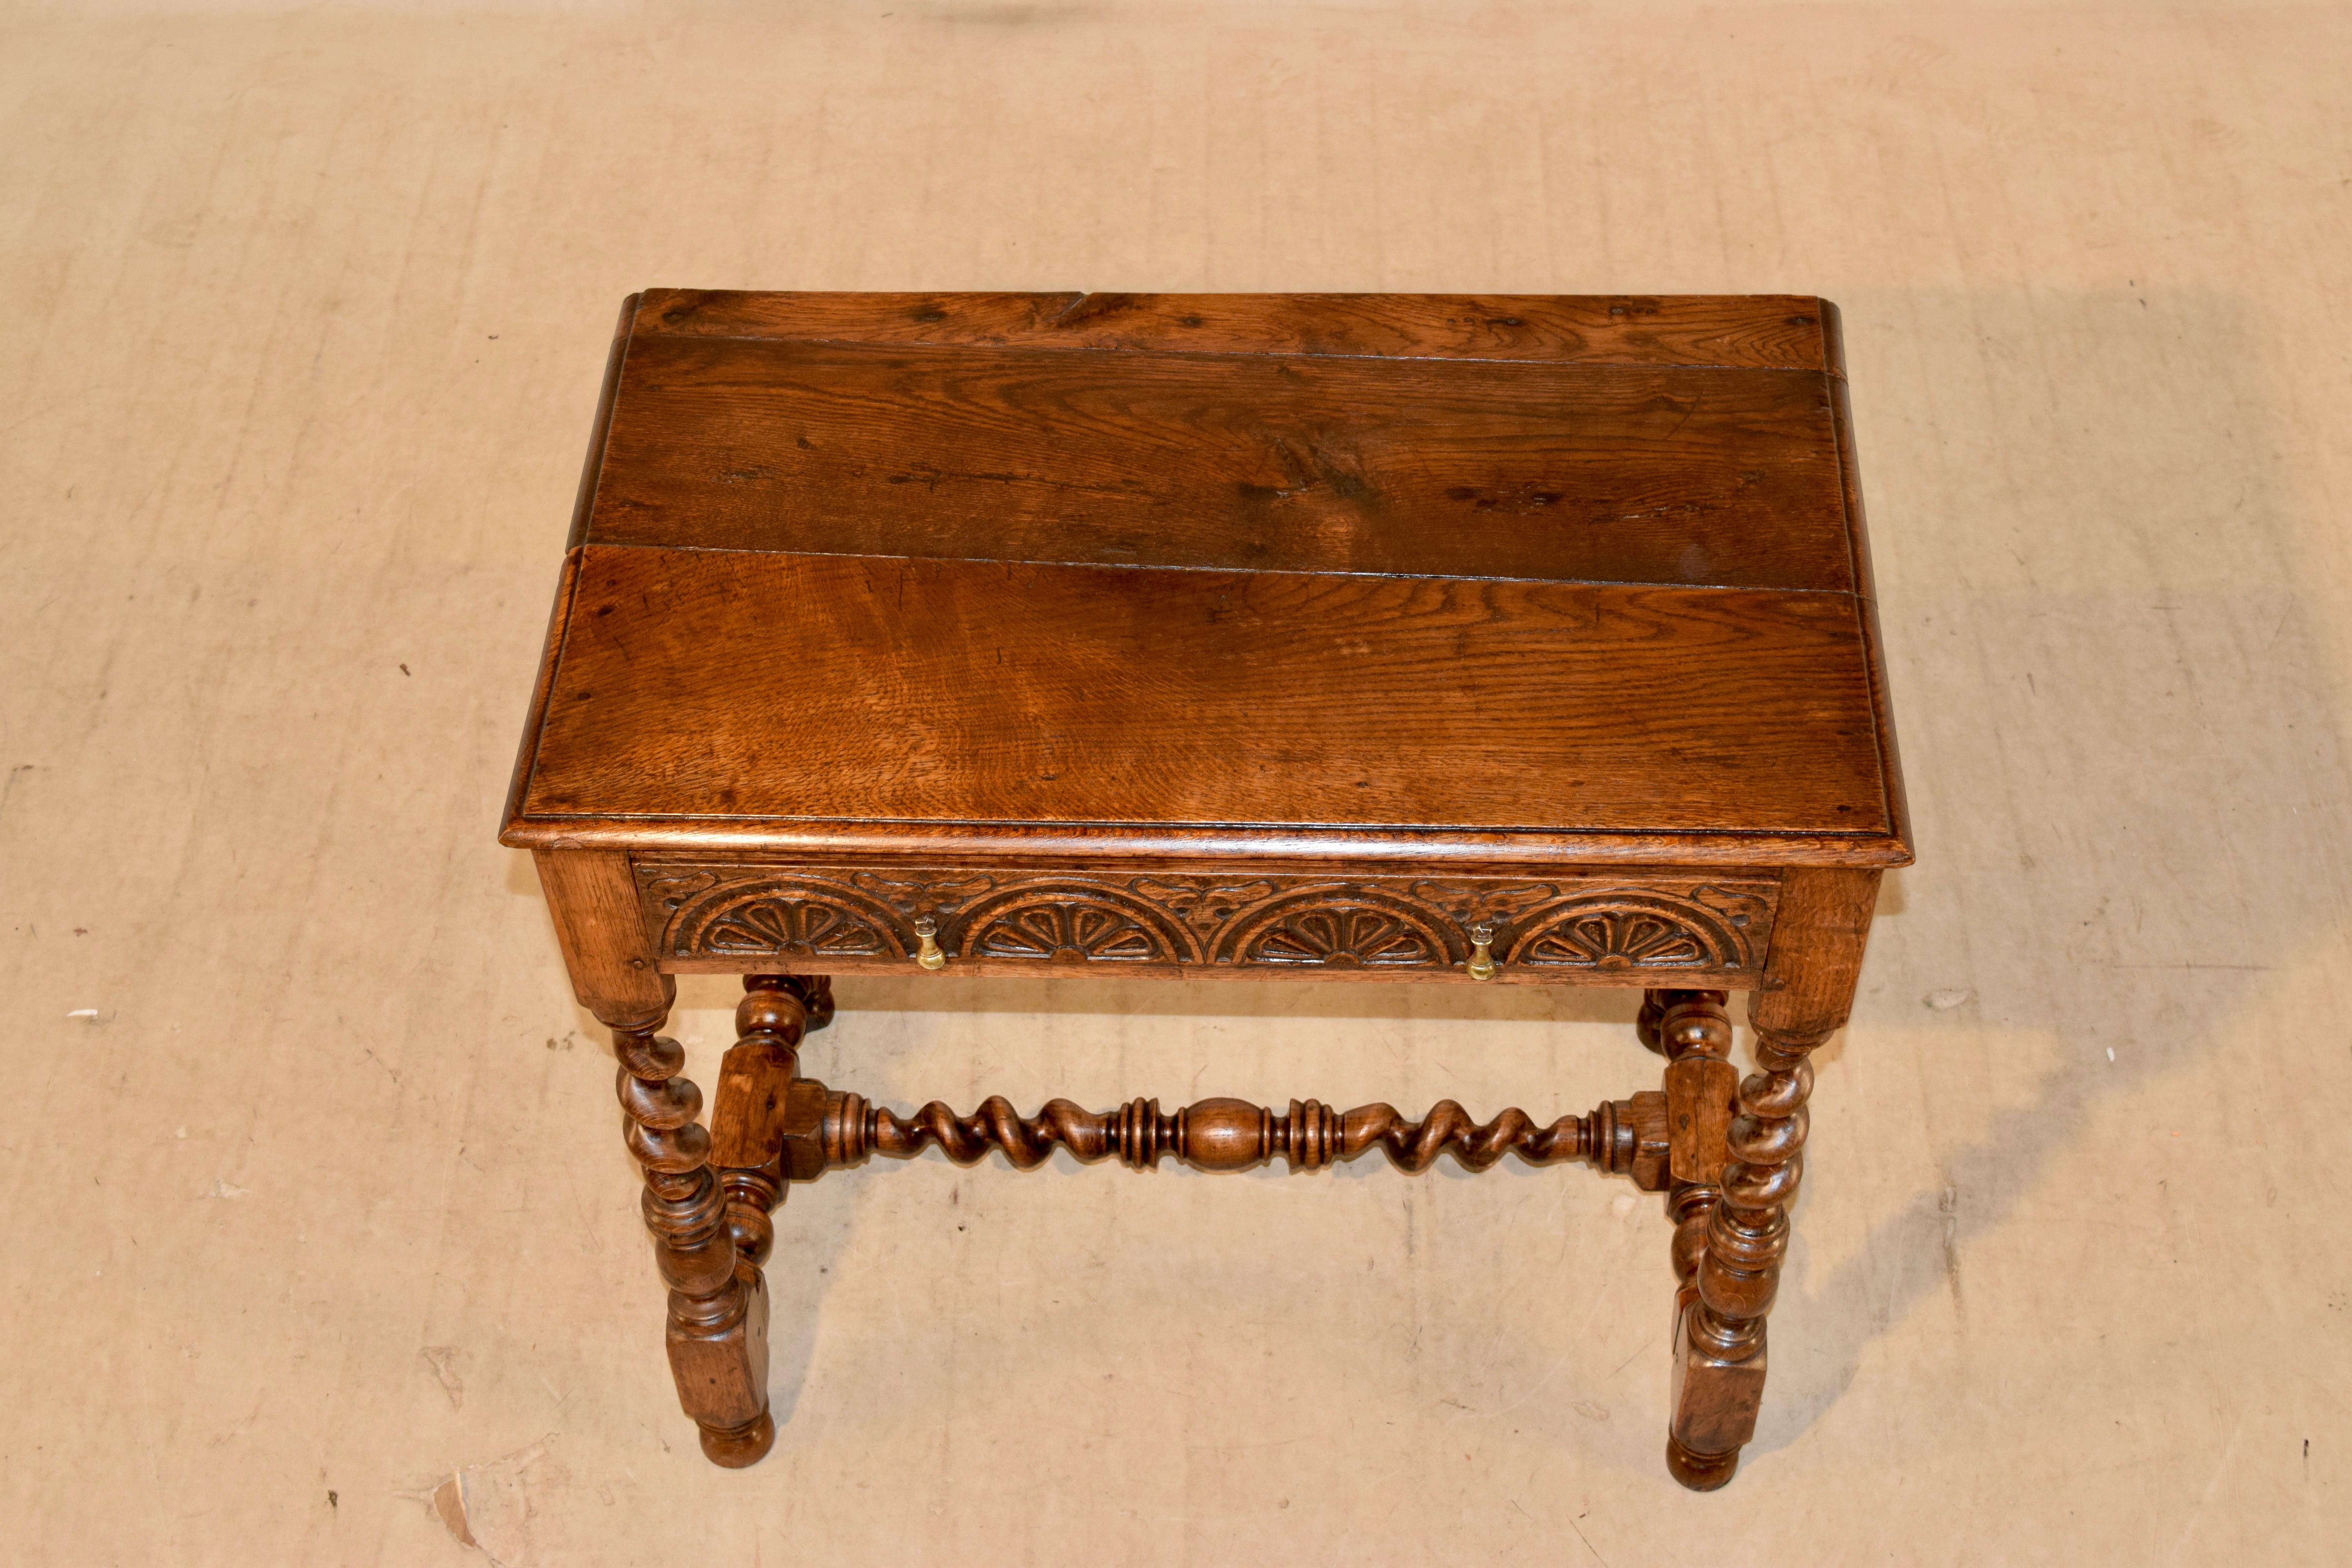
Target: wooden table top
x=1470, y=581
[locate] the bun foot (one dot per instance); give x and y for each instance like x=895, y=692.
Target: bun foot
x=739, y=1447
x=1700, y=1472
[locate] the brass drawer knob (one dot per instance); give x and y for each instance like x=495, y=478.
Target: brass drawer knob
x=929, y=957
x=1482, y=958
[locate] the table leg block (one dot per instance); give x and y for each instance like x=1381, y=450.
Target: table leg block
x=1714, y=1402
x=723, y=1379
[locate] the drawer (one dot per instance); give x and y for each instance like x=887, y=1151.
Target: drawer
x=1605, y=928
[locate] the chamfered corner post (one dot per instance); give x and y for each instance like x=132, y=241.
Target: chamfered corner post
x=717, y=1317
x=1807, y=989
x=1692, y=1032
x=746, y=1123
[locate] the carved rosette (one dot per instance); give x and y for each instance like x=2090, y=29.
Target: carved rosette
x=1632, y=928
x=1343, y=928
x=1064, y=920
x=774, y=916
x=1656, y=929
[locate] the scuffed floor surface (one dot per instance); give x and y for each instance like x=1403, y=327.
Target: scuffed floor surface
x=322, y=1246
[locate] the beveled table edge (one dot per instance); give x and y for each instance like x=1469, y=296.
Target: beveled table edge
x=1205, y=846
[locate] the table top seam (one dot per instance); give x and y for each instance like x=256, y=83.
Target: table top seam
x=593, y=543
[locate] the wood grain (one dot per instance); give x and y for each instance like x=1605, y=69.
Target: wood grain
x=747, y=1130
x=1765, y=332
x=1631, y=474
x=592, y=900
x=1815, y=959
x=924, y=689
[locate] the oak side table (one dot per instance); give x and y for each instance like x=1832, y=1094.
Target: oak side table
x=1522, y=641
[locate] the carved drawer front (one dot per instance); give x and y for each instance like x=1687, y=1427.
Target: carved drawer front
x=1648, y=929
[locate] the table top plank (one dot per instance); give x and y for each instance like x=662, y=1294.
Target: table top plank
x=1609, y=473
x=1757, y=331
x=705, y=685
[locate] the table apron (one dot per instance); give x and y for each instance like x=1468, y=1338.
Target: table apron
x=1587, y=927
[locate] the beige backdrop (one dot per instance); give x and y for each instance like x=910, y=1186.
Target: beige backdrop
x=305, y=311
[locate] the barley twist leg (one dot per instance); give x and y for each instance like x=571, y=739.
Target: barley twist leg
x=718, y=1331
x=1719, y=1361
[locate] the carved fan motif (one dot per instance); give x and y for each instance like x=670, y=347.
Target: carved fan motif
x=1341, y=937
x=769, y=914
x=1281, y=923
x=1632, y=930
x=1098, y=933
x=772, y=925
x=1617, y=938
